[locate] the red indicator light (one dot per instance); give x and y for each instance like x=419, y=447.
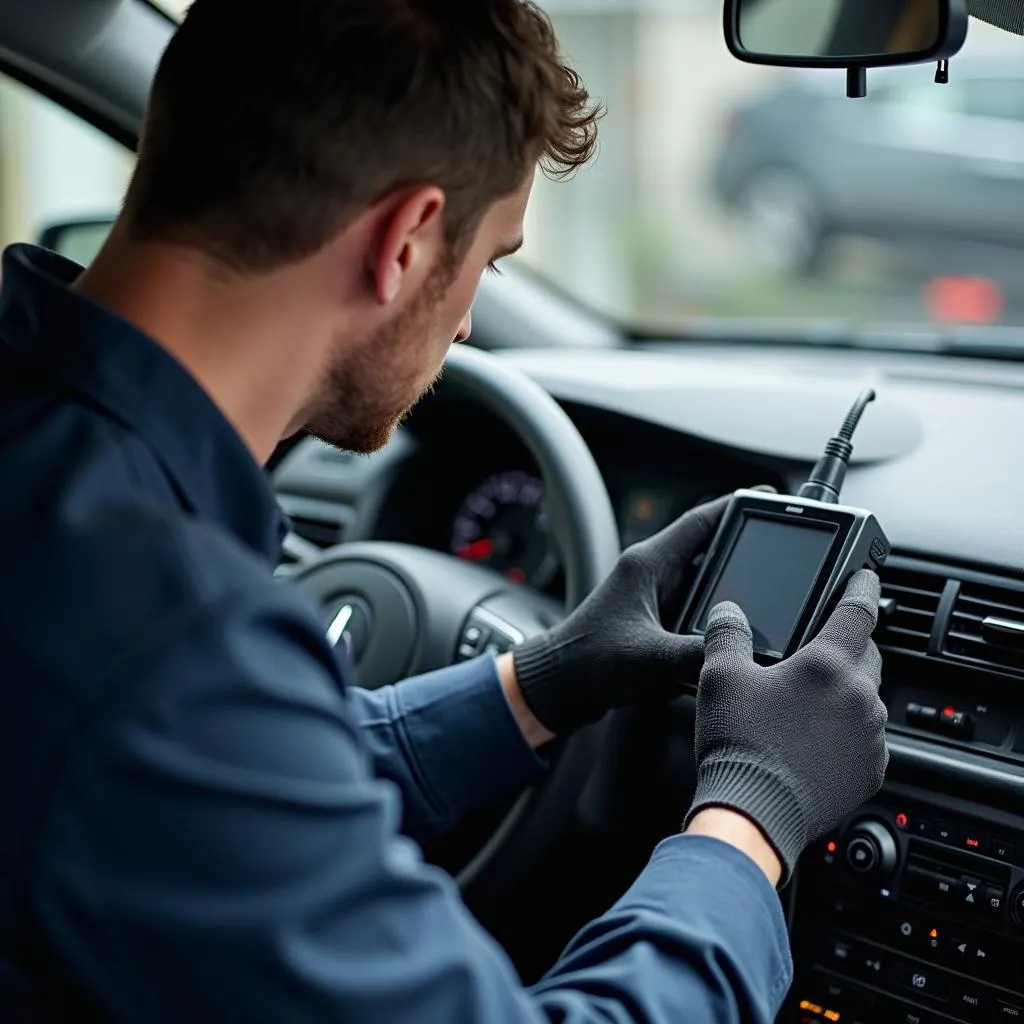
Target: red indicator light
x=974, y=843
x=949, y=712
x=934, y=933
x=477, y=550
x=902, y=820
x=831, y=847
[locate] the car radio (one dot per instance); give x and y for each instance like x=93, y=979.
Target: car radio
x=911, y=913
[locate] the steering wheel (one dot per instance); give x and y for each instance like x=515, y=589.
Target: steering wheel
x=403, y=610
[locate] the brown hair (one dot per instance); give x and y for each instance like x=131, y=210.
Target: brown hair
x=272, y=124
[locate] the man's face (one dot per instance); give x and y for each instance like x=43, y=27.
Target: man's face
x=372, y=385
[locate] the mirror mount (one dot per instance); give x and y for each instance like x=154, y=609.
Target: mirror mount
x=853, y=35
x=857, y=82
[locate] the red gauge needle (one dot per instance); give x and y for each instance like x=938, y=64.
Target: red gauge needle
x=477, y=550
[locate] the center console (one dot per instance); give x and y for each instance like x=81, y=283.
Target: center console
x=911, y=912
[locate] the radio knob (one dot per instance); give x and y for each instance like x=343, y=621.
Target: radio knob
x=871, y=849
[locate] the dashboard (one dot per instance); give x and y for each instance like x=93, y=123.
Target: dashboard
x=456, y=482
x=912, y=911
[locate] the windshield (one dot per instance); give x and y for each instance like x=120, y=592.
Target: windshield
x=729, y=190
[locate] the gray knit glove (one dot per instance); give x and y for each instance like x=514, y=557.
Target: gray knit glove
x=620, y=647
x=798, y=745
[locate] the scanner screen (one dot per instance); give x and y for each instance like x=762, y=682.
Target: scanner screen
x=769, y=573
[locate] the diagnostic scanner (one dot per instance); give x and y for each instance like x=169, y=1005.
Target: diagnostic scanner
x=786, y=559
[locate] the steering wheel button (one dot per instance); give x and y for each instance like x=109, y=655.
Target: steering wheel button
x=474, y=637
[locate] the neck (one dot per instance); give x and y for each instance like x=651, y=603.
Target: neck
x=225, y=330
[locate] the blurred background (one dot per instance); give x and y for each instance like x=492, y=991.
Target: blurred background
x=721, y=189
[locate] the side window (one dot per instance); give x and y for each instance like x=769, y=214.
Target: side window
x=59, y=176
x=1000, y=98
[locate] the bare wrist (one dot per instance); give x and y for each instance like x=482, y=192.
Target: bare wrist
x=738, y=831
x=534, y=731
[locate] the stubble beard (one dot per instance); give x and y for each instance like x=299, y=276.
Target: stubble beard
x=370, y=390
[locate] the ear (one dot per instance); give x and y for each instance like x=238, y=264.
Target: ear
x=409, y=241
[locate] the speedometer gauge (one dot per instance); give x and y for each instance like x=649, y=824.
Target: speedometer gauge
x=502, y=524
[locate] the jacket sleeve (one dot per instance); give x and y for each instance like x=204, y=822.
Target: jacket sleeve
x=215, y=848
x=448, y=740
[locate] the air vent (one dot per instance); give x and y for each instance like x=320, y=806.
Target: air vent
x=316, y=522
x=910, y=600
x=987, y=627
x=336, y=456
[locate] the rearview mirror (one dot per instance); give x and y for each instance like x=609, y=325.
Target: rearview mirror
x=78, y=240
x=851, y=34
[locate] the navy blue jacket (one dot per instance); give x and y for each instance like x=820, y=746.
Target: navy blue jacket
x=200, y=819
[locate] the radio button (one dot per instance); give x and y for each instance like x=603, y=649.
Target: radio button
x=923, y=716
x=903, y=1016
x=970, y=1002
x=918, y=978
x=907, y=1015
x=870, y=964
x=841, y=993
x=1001, y=849
x=862, y=855
x=972, y=893
x=994, y=900
x=981, y=955
x=930, y=885
x=974, y=841
x=843, y=954
x=922, y=827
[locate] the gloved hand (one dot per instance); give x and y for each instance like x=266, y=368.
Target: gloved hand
x=797, y=745
x=618, y=647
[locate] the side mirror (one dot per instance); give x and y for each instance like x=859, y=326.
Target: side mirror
x=78, y=240
x=850, y=34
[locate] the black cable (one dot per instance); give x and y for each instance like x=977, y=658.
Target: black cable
x=826, y=479
x=854, y=415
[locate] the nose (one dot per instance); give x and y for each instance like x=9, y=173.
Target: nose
x=466, y=329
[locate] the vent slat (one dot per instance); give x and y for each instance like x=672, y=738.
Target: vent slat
x=968, y=618
x=965, y=640
x=321, y=532
x=316, y=525
x=924, y=613
x=916, y=595
x=903, y=631
x=970, y=638
x=896, y=590
x=991, y=607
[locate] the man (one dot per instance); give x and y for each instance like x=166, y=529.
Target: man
x=201, y=815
